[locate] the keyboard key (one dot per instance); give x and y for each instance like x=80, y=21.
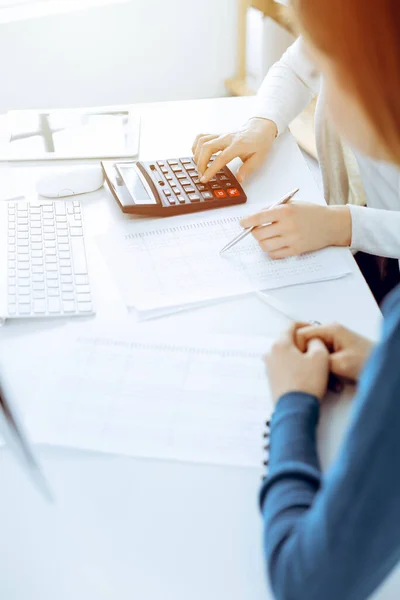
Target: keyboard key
x=50, y=275
x=54, y=305
x=67, y=287
x=83, y=298
x=220, y=194
x=81, y=280
x=82, y=289
x=39, y=294
x=50, y=260
x=53, y=284
x=36, y=238
x=12, y=308
x=52, y=292
x=38, y=286
x=68, y=296
x=37, y=278
x=65, y=271
x=24, y=309
x=36, y=253
x=65, y=254
x=84, y=307
x=233, y=192
x=60, y=208
x=68, y=306
x=49, y=244
x=39, y=306
x=78, y=255
x=66, y=278
x=24, y=290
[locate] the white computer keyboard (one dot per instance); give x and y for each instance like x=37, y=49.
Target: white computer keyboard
x=47, y=266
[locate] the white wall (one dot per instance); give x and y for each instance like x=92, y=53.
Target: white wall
x=146, y=50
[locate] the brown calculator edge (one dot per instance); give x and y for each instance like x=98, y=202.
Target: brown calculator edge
x=118, y=189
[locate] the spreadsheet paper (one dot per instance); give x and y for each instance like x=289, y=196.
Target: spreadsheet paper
x=201, y=399
x=178, y=263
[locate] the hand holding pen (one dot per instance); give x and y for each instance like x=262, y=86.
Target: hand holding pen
x=262, y=221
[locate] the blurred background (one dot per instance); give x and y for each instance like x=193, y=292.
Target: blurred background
x=74, y=53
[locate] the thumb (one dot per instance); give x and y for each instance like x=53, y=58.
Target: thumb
x=249, y=166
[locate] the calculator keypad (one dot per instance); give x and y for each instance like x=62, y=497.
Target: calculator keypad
x=180, y=183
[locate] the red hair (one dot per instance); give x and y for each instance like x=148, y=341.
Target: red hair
x=363, y=38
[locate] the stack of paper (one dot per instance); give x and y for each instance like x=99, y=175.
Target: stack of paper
x=198, y=398
x=177, y=263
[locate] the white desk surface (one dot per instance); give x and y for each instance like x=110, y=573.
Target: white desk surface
x=146, y=529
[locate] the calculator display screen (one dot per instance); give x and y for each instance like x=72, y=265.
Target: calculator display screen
x=134, y=183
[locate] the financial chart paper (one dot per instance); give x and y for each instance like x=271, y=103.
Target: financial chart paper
x=165, y=264
x=200, y=399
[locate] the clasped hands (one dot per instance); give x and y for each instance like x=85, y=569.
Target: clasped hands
x=303, y=357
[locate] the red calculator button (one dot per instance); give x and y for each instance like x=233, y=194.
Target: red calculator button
x=233, y=192
x=220, y=193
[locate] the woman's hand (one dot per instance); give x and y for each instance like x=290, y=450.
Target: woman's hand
x=298, y=227
x=252, y=144
x=348, y=350
x=291, y=370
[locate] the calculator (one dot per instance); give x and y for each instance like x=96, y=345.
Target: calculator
x=169, y=187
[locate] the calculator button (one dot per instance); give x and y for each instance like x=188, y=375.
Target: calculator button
x=169, y=178
x=234, y=192
x=207, y=196
x=165, y=171
x=190, y=169
x=167, y=193
x=220, y=194
x=196, y=180
x=181, y=200
x=185, y=182
x=215, y=186
x=214, y=180
x=190, y=190
x=194, y=198
x=176, y=168
x=172, y=200
x=176, y=190
x=223, y=177
x=173, y=162
x=181, y=175
x=202, y=187
x=160, y=163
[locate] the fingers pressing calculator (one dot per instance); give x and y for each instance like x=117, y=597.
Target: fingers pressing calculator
x=169, y=187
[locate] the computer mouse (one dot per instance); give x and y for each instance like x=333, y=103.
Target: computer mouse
x=70, y=181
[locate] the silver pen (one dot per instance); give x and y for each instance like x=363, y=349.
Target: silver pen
x=246, y=232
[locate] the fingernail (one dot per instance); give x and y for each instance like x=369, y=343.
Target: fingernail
x=203, y=179
x=239, y=178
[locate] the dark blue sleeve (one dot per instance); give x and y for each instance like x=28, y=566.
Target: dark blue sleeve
x=337, y=537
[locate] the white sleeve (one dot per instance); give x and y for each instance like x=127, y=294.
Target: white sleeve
x=288, y=88
x=375, y=231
